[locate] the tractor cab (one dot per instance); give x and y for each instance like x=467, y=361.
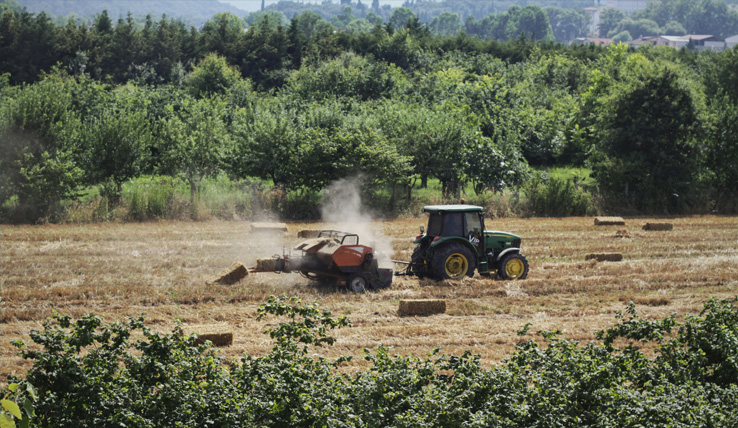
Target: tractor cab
x=455, y=244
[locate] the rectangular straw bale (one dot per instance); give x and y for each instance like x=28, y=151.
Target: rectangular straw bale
x=422, y=307
x=658, y=226
x=609, y=221
x=269, y=264
x=305, y=234
x=231, y=275
x=605, y=257
x=218, y=339
x=268, y=227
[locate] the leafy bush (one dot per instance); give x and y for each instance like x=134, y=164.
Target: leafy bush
x=555, y=197
x=92, y=374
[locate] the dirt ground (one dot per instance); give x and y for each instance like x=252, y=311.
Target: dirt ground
x=160, y=270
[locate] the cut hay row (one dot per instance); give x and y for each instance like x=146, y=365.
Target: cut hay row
x=605, y=257
x=658, y=226
x=268, y=227
x=218, y=339
x=609, y=221
x=422, y=307
x=231, y=275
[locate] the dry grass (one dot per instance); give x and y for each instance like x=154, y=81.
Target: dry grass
x=159, y=269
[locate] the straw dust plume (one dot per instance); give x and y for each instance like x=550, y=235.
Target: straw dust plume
x=342, y=209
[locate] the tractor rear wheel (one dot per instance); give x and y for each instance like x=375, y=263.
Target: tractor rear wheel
x=514, y=266
x=453, y=262
x=357, y=283
x=417, y=264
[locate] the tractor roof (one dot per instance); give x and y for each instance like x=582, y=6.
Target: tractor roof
x=451, y=208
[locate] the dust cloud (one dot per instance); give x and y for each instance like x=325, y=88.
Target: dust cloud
x=342, y=209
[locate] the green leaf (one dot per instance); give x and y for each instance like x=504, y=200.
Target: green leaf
x=13, y=387
x=12, y=408
x=31, y=390
x=28, y=407
x=6, y=421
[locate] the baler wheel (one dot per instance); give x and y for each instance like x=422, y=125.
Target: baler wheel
x=357, y=283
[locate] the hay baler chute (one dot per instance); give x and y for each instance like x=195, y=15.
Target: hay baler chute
x=333, y=254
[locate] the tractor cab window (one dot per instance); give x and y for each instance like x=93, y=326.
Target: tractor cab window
x=473, y=225
x=435, y=224
x=453, y=224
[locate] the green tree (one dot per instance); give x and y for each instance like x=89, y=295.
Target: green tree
x=673, y=28
x=309, y=23
x=530, y=21
x=212, y=76
x=120, y=138
x=400, y=17
x=40, y=141
x=274, y=19
x=344, y=18
x=446, y=24
x=645, y=151
x=722, y=153
x=639, y=28
x=623, y=36
x=194, y=142
x=567, y=24
x=221, y=35
x=609, y=20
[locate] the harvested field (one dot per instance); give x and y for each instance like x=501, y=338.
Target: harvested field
x=157, y=269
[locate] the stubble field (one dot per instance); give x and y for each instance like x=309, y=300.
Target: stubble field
x=160, y=270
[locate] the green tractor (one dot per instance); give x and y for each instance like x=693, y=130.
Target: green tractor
x=456, y=243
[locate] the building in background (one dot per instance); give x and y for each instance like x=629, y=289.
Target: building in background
x=594, y=19
x=591, y=41
x=731, y=42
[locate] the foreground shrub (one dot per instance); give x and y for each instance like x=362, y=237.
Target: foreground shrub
x=91, y=374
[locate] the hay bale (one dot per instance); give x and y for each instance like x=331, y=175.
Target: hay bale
x=306, y=234
x=658, y=226
x=269, y=264
x=268, y=227
x=609, y=221
x=229, y=276
x=605, y=257
x=422, y=307
x=218, y=339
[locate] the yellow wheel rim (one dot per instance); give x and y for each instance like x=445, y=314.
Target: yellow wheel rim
x=456, y=265
x=514, y=268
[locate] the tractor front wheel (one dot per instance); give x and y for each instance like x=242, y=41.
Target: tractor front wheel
x=514, y=266
x=357, y=283
x=453, y=262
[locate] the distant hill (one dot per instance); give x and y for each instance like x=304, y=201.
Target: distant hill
x=195, y=11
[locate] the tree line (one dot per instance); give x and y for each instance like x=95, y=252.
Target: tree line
x=303, y=105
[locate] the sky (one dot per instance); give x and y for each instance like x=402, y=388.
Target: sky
x=254, y=5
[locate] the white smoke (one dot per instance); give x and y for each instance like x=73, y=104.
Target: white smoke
x=342, y=209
